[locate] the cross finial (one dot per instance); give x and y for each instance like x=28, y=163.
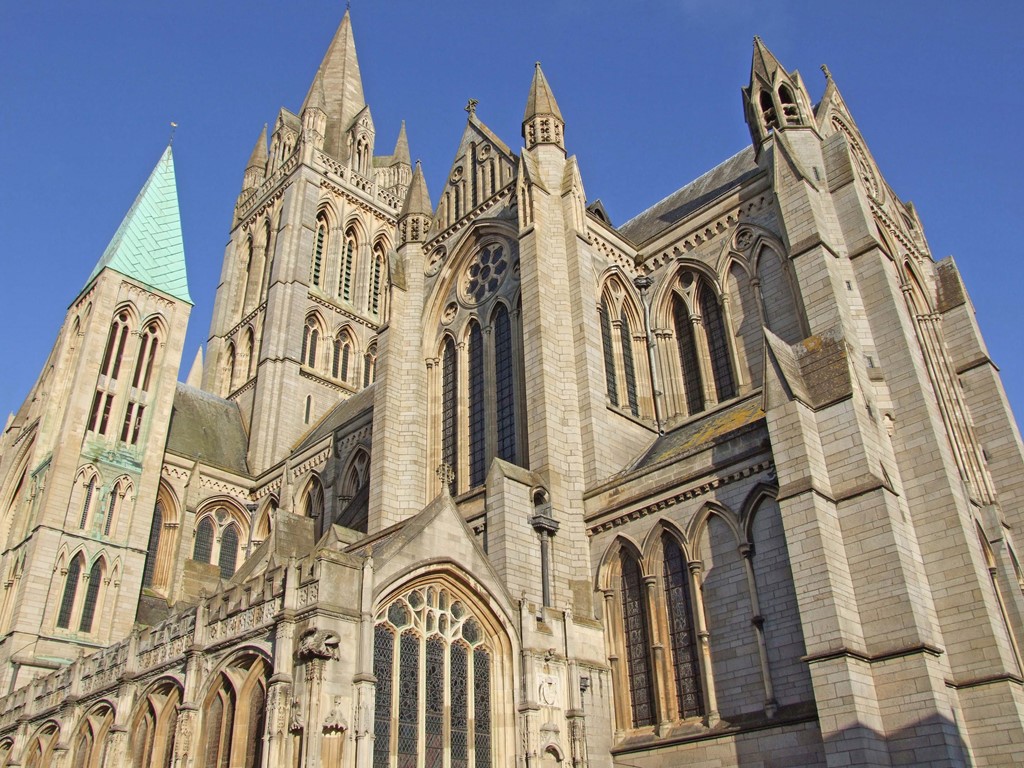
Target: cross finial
x=170, y=141
x=471, y=106
x=446, y=475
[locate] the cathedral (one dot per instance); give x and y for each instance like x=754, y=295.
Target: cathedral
x=482, y=479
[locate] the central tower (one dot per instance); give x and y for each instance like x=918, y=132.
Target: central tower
x=304, y=286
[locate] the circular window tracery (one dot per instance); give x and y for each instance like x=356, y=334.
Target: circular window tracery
x=485, y=275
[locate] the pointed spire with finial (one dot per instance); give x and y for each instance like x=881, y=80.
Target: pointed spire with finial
x=418, y=198
x=256, y=168
x=342, y=86
x=401, y=153
x=542, y=121
x=775, y=99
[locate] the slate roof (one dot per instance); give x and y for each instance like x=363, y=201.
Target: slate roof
x=698, y=193
x=148, y=245
x=698, y=435
x=209, y=428
x=341, y=413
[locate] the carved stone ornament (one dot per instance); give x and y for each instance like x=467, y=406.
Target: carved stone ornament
x=334, y=722
x=435, y=260
x=318, y=644
x=449, y=313
x=744, y=239
x=296, y=723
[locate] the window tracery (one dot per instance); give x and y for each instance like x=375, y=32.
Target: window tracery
x=452, y=695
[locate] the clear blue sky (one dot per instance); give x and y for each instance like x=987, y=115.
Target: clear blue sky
x=650, y=91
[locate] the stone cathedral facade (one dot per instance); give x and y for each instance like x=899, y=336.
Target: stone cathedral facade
x=487, y=480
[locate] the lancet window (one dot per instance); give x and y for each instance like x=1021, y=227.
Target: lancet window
x=110, y=370
x=370, y=365
x=219, y=540
x=434, y=663
x=310, y=342
x=234, y=717
x=702, y=344
x=348, y=264
x=77, y=607
x=153, y=727
x=89, y=745
x=619, y=324
x=316, y=267
x=378, y=278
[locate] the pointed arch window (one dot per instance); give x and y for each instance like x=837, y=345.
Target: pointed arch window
x=790, y=112
x=202, y=550
x=87, y=501
x=477, y=431
x=433, y=663
x=342, y=357
x=115, y=502
x=319, y=250
x=682, y=638
x=67, y=602
x=370, y=365
x=229, y=368
x=146, y=358
x=768, y=111
x=687, y=345
x=348, y=259
x=627, y=363
x=610, y=379
x=92, y=593
x=228, y=552
x=637, y=644
x=110, y=370
x=449, y=409
x=505, y=384
x=380, y=266
x=310, y=342
x=718, y=347
x=155, y=529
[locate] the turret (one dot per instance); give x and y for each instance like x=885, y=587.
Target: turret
x=256, y=168
x=542, y=122
x=775, y=99
x=314, y=114
x=414, y=220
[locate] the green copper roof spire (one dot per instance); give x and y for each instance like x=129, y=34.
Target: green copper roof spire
x=148, y=246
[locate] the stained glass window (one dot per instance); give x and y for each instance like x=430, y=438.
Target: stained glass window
x=408, y=700
x=433, y=710
x=204, y=541
x=504, y=380
x=449, y=410
x=228, y=552
x=477, y=433
x=460, y=706
x=610, y=381
x=383, y=651
x=634, y=621
x=482, y=707
x=67, y=602
x=681, y=634
x=445, y=705
x=627, y=363
x=688, y=358
x=718, y=347
x=92, y=592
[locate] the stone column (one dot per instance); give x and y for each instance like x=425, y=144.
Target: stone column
x=316, y=648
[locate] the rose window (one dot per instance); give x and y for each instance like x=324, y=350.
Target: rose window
x=483, y=276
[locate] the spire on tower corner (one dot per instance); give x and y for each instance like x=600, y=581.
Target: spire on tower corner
x=401, y=153
x=417, y=201
x=542, y=121
x=258, y=158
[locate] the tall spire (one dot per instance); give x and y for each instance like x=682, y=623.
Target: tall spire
x=541, y=100
x=401, y=153
x=542, y=121
x=342, y=86
x=418, y=198
x=148, y=245
x=764, y=65
x=258, y=158
x=774, y=99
